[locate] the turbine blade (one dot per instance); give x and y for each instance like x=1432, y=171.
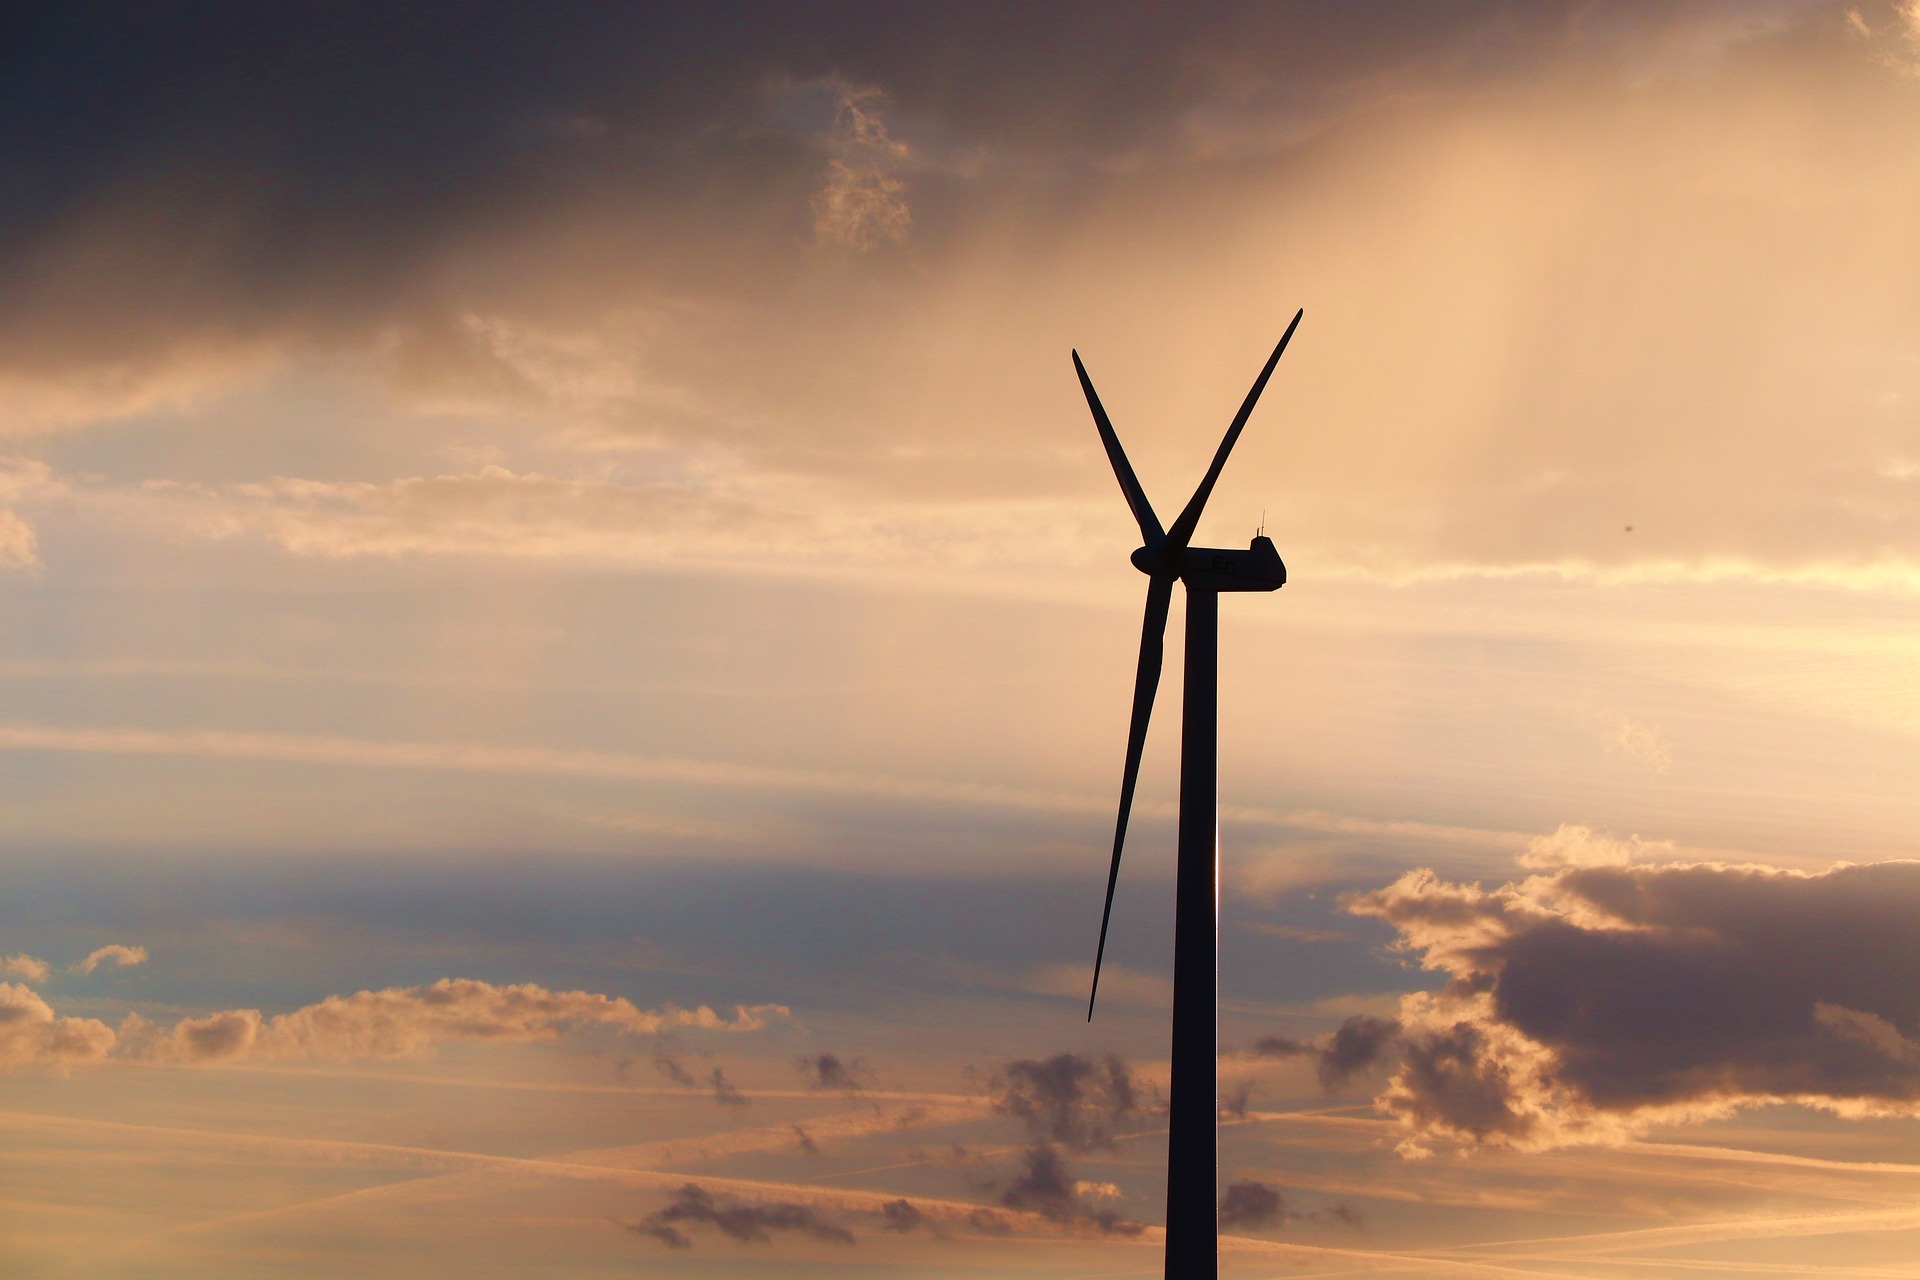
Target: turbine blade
x=1150, y=531
x=1182, y=532
x=1146, y=683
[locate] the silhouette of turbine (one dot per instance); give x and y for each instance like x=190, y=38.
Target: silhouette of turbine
x=1193, y=1231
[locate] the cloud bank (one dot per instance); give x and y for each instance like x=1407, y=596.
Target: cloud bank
x=1589, y=1002
x=607, y=227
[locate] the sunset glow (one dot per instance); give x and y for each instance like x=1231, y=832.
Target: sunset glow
x=565, y=636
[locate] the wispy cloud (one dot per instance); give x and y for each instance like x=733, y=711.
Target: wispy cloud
x=475, y=758
x=119, y=953
x=862, y=202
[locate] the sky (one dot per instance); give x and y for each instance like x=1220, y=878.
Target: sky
x=566, y=635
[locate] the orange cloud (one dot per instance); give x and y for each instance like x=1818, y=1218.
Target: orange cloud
x=404, y=1021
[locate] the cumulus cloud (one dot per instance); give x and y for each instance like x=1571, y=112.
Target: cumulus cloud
x=745, y=1221
x=401, y=1021
x=1599, y=998
x=119, y=953
x=31, y=1033
x=31, y=968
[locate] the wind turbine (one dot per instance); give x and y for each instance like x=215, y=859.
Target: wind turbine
x=1193, y=1229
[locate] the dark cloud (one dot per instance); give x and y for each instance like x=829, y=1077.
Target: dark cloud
x=1248, y=1203
x=1234, y=1101
x=723, y=1091
x=828, y=1071
x=805, y=1140
x=670, y=1068
x=1280, y=1047
x=1251, y=1204
x=749, y=1222
x=902, y=1216
x=671, y=1237
x=719, y=1087
x=311, y=172
x=1046, y=1187
x=1357, y=1044
x=1067, y=1099
x=369, y=115
x=1599, y=999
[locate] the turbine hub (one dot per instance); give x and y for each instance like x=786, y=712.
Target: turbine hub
x=1145, y=560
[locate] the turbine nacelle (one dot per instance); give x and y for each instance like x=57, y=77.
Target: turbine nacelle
x=1258, y=568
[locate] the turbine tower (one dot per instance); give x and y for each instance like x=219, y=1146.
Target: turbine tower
x=1193, y=1228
